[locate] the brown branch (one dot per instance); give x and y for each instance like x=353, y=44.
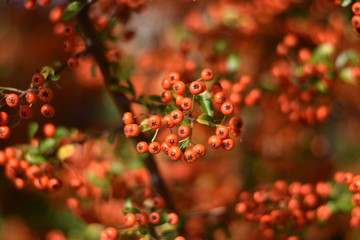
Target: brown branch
x=97, y=49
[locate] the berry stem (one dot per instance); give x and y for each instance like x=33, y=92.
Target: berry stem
x=119, y=98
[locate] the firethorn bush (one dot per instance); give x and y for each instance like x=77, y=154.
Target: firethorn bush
x=138, y=119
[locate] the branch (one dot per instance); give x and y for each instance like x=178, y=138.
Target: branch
x=97, y=49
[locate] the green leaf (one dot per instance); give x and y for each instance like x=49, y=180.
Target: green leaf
x=73, y=9
x=93, y=70
x=233, y=62
x=112, y=137
x=144, y=125
x=206, y=120
x=131, y=88
x=47, y=144
x=33, y=127
x=34, y=158
x=345, y=3
x=220, y=46
x=116, y=168
x=155, y=98
x=61, y=132
x=57, y=64
x=46, y=71
x=346, y=75
x=322, y=54
x=345, y=57
x=169, y=109
x=55, y=77
x=205, y=103
x=320, y=86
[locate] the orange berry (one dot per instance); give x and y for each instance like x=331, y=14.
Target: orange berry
x=167, y=121
x=12, y=100
x=174, y=153
x=166, y=83
x=165, y=148
x=130, y=219
x=173, y=218
x=45, y=94
x=4, y=132
x=219, y=97
x=177, y=116
x=134, y=130
x=228, y=144
x=4, y=118
x=154, y=148
x=184, y=131
x=25, y=112
x=128, y=118
x=73, y=63
x=199, y=150
x=154, y=217
x=166, y=96
x=31, y=97
x=214, y=141
x=178, y=99
x=49, y=130
x=159, y=202
x=54, y=184
x=222, y=132
x=189, y=156
x=154, y=122
x=197, y=87
x=179, y=87
x=186, y=104
x=174, y=76
x=171, y=140
x=142, y=147
x=227, y=108
x=47, y=110
x=111, y=233
x=207, y=74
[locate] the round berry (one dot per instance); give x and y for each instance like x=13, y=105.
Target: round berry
x=154, y=122
x=173, y=218
x=165, y=148
x=47, y=110
x=128, y=118
x=207, y=74
x=154, y=148
x=45, y=94
x=38, y=80
x=214, y=141
x=111, y=233
x=4, y=132
x=174, y=76
x=219, y=97
x=12, y=100
x=4, y=118
x=166, y=83
x=227, y=108
x=154, y=217
x=54, y=184
x=166, y=96
x=49, y=130
x=228, y=144
x=199, y=150
x=184, y=131
x=134, y=130
x=130, y=219
x=73, y=62
x=25, y=112
x=177, y=116
x=159, y=202
x=68, y=46
x=235, y=123
x=174, y=153
x=179, y=87
x=356, y=8
x=167, y=121
x=178, y=99
x=189, y=156
x=186, y=104
x=222, y=132
x=31, y=97
x=142, y=147
x=172, y=140
x=197, y=87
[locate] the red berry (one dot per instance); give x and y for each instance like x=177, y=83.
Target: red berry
x=25, y=112
x=177, y=116
x=174, y=153
x=199, y=150
x=47, y=110
x=154, y=148
x=142, y=147
x=179, y=87
x=31, y=97
x=184, y=131
x=207, y=74
x=4, y=118
x=45, y=94
x=189, y=156
x=12, y=100
x=4, y=132
x=214, y=141
x=154, y=122
x=38, y=80
x=73, y=63
x=128, y=118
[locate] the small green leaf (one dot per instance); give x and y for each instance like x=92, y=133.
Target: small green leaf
x=169, y=109
x=46, y=71
x=346, y=75
x=144, y=125
x=205, y=103
x=322, y=53
x=47, y=144
x=156, y=98
x=345, y=57
x=233, y=62
x=34, y=158
x=33, y=127
x=112, y=137
x=206, y=120
x=55, y=77
x=345, y=3
x=61, y=132
x=73, y=9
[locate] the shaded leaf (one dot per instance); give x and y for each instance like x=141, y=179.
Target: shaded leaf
x=144, y=126
x=47, y=144
x=33, y=127
x=34, y=158
x=73, y=9
x=206, y=120
x=65, y=151
x=346, y=75
x=205, y=103
x=345, y=57
x=345, y=3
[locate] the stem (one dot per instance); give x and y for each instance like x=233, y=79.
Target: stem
x=12, y=90
x=97, y=49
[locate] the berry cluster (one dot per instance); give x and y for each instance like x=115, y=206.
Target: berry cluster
x=181, y=117
x=355, y=20
x=285, y=206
